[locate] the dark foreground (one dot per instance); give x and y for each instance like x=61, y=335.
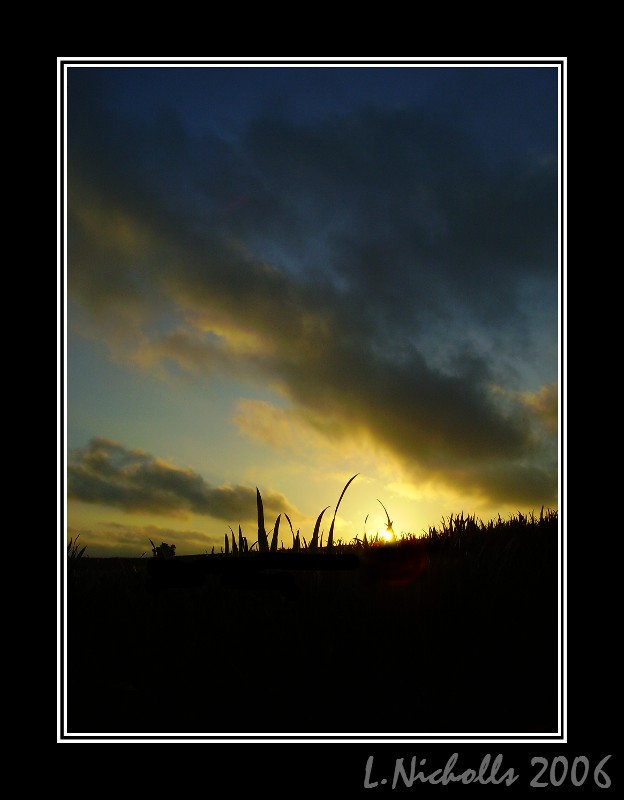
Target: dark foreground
x=462, y=641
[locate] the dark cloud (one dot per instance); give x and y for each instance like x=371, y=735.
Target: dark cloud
x=107, y=473
x=379, y=257
x=405, y=213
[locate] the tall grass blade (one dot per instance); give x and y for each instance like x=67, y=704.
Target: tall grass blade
x=389, y=521
x=314, y=542
x=330, y=537
x=291, y=528
x=263, y=541
x=275, y=530
x=389, y=528
x=234, y=547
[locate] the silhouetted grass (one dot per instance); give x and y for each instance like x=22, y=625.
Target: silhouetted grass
x=451, y=632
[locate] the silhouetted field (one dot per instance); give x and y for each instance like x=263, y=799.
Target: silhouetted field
x=454, y=633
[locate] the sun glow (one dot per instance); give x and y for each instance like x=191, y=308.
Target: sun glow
x=378, y=529
x=388, y=535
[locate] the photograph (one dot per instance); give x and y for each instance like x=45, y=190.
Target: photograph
x=312, y=376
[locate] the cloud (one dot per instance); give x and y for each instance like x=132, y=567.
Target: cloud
x=545, y=404
x=281, y=428
x=107, y=473
x=373, y=267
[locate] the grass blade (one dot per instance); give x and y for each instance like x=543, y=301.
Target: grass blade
x=291, y=528
x=314, y=541
x=275, y=530
x=263, y=542
x=330, y=537
x=389, y=528
x=234, y=547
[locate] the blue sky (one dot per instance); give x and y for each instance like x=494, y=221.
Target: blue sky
x=280, y=276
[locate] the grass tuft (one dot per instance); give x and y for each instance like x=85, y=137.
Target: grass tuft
x=73, y=548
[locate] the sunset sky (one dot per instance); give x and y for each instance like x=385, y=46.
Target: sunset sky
x=279, y=276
